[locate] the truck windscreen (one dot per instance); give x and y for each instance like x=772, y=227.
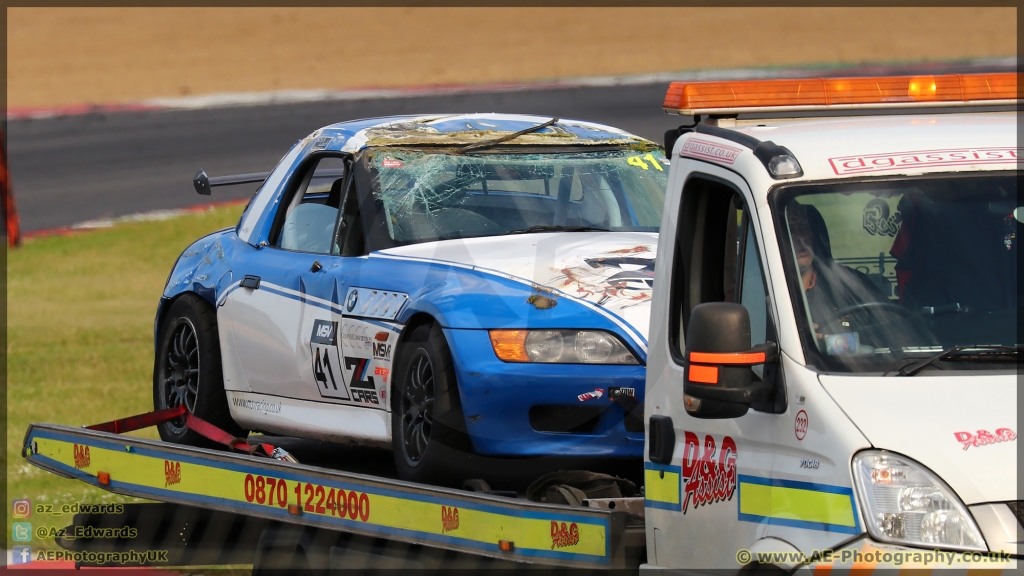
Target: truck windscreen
x=885, y=270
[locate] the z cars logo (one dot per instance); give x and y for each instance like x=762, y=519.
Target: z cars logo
x=363, y=387
x=172, y=472
x=449, y=518
x=984, y=437
x=82, y=458
x=709, y=474
x=562, y=535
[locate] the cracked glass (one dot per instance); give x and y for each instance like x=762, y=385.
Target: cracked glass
x=432, y=196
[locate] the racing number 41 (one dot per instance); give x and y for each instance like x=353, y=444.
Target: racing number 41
x=638, y=161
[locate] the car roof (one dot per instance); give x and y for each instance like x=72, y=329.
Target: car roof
x=893, y=144
x=462, y=129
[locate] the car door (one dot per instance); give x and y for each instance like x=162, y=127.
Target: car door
x=283, y=322
x=693, y=500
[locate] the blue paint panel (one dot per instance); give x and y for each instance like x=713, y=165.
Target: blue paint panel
x=795, y=484
x=666, y=467
x=497, y=397
x=673, y=507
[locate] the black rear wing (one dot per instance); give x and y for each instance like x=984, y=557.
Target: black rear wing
x=204, y=183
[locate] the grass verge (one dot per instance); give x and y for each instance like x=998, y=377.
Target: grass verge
x=80, y=313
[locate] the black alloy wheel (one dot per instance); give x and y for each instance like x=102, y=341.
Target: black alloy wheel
x=187, y=371
x=428, y=431
x=417, y=406
x=181, y=364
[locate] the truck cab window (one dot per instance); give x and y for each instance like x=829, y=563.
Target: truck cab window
x=718, y=256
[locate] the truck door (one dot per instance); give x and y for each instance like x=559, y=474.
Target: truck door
x=693, y=499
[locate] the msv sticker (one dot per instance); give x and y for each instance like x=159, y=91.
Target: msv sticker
x=705, y=150
x=327, y=369
x=843, y=165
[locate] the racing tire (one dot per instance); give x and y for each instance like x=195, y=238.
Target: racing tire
x=187, y=369
x=428, y=434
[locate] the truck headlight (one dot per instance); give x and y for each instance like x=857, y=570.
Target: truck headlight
x=560, y=347
x=905, y=503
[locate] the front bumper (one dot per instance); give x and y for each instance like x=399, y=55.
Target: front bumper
x=512, y=409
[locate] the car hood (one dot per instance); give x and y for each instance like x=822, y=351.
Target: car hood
x=612, y=270
x=960, y=426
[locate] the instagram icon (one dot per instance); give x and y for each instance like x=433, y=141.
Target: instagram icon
x=21, y=508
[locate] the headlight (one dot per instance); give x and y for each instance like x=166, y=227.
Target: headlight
x=560, y=347
x=905, y=503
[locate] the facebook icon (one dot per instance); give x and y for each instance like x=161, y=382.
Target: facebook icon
x=21, y=554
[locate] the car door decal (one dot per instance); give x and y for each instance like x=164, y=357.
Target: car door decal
x=327, y=369
x=367, y=348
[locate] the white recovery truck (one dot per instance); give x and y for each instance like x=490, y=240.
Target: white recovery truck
x=834, y=341
x=831, y=380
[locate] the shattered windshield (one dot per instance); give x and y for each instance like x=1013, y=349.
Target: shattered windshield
x=430, y=196
x=902, y=269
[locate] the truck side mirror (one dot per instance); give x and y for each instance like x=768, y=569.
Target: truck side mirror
x=718, y=380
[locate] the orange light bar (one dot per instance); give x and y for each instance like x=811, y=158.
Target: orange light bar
x=691, y=98
x=741, y=358
x=703, y=374
x=509, y=345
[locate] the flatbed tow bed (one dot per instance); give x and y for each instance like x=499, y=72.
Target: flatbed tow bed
x=321, y=511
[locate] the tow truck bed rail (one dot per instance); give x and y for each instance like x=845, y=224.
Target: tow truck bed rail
x=444, y=518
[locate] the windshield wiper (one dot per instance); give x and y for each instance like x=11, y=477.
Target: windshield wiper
x=507, y=137
x=912, y=368
x=533, y=229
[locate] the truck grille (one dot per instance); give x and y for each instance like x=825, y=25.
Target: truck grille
x=1017, y=506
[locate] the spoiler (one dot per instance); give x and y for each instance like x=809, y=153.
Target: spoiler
x=203, y=183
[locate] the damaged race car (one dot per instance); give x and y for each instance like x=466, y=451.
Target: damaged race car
x=419, y=283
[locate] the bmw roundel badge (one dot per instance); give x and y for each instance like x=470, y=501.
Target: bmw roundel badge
x=353, y=296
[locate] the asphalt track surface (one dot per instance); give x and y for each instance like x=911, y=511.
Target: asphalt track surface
x=70, y=169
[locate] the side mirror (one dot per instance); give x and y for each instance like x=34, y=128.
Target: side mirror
x=718, y=380
x=201, y=182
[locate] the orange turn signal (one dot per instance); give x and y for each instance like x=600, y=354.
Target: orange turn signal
x=703, y=374
x=103, y=478
x=737, y=358
x=505, y=545
x=817, y=93
x=509, y=345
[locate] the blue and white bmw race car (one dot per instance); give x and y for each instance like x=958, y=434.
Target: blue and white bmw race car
x=480, y=281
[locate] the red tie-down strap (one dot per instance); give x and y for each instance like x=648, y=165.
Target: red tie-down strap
x=197, y=425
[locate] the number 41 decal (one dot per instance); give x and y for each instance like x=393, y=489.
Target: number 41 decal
x=326, y=363
x=638, y=161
